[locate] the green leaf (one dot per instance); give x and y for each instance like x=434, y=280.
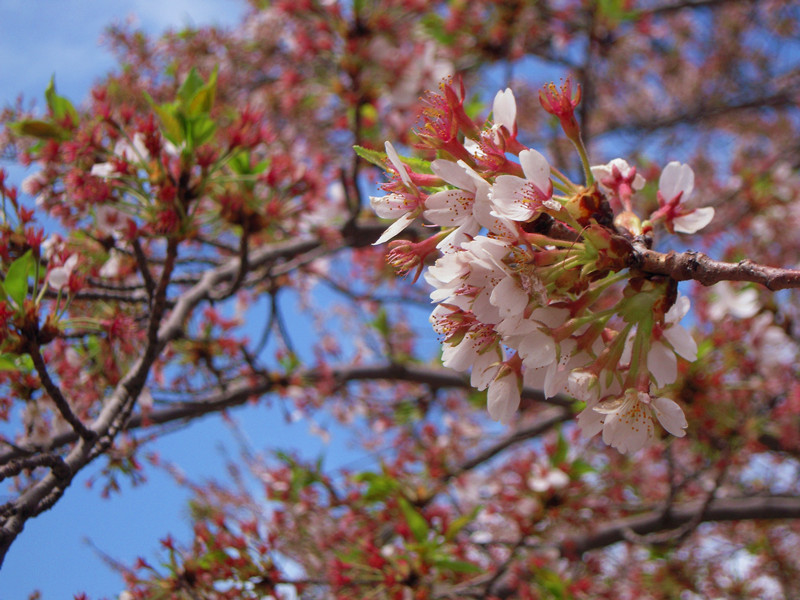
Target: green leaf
x=59, y=105
x=580, y=467
x=381, y=322
x=16, y=281
x=457, y=566
x=615, y=11
x=190, y=86
x=560, y=454
x=416, y=522
x=8, y=362
x=172, y=128
x=371, y=156
x=39, y=129
x=379, y=488
x=459, y=523
x=202, y=130
x=435, y=27
x=203, y=99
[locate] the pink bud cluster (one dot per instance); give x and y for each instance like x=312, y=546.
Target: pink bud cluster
x=536, y=283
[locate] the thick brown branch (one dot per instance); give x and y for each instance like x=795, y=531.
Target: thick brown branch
x=728, y=509
x=698, y=267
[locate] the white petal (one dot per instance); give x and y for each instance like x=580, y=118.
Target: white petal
x=590, y=422
x=503, y=398
x=390, y=206
x=58, y=278
x=396, y=228
x=558, y=479
x=448, y=208
x=682, y=342
x=504, y=109
x=509, y=198
x=112, y=265
x=630, y=429
x=397, y=163
x=537, y=350
x=104, y=170
x=670, y=415
x=536, y=168
x=662, y=364
x=509, y=297
x=454, y=174
x=678, y=310
x=694, y=221
x=676, y=178
x=485, y=368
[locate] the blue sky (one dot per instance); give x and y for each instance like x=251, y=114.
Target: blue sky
x=37, y=39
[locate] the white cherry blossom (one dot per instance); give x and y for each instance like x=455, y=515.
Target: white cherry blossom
x=135, y=152
x=727, y=301
x=401, y=206
x=458, y=207
x=58, y=277
x=675, y=186
x=628, y=420
x=519, y=199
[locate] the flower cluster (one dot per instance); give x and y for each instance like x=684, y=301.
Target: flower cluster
x=536, y=283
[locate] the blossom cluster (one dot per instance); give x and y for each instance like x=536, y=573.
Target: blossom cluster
x=535, y=282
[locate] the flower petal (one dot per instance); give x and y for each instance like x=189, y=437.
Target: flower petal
x=662, y=364
x=693, y=221
x=397, y=163
x=670, y=415
x=504, y=109
x=396, y=228
x=676, y=178
x=503, y=398
x=536, y=168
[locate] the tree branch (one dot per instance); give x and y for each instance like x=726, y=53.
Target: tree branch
x=698, y=267
x=728, y=509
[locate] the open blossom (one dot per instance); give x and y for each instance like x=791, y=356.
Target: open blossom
x=134, y=153
x=627, y=421
x=403, y=206
x=457, y=207
x=673, y=339
x=520, y=199
x=58, y=277
x=674, y=187
x=741, y=305
x=546, y=478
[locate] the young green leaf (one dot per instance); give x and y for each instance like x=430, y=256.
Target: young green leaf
x=16, y=281
x=416, y=522
x=371, y=156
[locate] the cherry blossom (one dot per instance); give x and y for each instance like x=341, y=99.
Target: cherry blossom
x=58, y=277
x=520, y=199
x=404, y=205
x=617, y=168
x=726, y=301
x=627, y=421
x=672, y=339
x=674, y=187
